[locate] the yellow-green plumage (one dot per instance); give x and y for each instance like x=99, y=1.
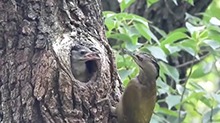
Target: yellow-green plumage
x=138, y=103
x=138, y=100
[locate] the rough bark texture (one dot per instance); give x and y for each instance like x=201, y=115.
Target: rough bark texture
x=36, y=83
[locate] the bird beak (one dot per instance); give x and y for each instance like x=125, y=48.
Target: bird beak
x=92, y=56
x=132, y=54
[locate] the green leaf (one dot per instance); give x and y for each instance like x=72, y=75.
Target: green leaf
x=139, y=19
x=207, y=68
x=134, y=39
x=145, y=32
x=189, y=46
x=175, y=2
x=161, y=32
x=156, y=118
x=168, y=112
x=173, y=100
x=171, y=38
x=210, y=114
x=201, y=70
x=179, y=88
x=194, y=97
x=157, y=52
x=122, y=37
x=172, y=49
x=191, y=2
x=216, y=97
x=215, y=21
x=125, y=4
x=108, y=14
x=196, y=86
x=203, y=35
x=123, y=73
x=110, y=23
x=193, y=28
x=213, y=44
x=121, y=63
x=197, y=73
x=132, y=47
x=162, y=86
x=170, y=71
x=153, y=36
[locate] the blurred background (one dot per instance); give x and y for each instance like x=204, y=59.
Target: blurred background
x=184, y=35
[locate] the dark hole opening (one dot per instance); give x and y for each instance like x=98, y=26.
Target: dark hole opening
x=91, y=66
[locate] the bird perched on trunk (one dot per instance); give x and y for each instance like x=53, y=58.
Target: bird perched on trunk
x=138, y=100
x=82, y=62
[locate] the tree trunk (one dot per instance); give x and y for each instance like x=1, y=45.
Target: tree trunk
x=37, y=85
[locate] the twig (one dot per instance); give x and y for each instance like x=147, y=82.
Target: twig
x=184, y=90
x=193, y=61
x=170, y=11
x=211, y=114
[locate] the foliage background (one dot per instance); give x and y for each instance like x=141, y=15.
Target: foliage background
x=192, y=99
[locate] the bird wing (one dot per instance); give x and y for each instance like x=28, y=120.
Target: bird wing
x=138, y=102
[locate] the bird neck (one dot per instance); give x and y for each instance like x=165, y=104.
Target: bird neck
x=80, y=70
x=146, y=78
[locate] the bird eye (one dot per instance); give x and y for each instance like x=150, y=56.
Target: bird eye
x=139, y=58
x=82, y=52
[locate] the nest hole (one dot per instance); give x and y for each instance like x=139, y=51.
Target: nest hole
x=92, y=67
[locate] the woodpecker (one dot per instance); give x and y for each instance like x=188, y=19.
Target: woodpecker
x=80, y=62
x=138, y=100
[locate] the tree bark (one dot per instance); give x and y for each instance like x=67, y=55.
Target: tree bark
x=37, y=85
